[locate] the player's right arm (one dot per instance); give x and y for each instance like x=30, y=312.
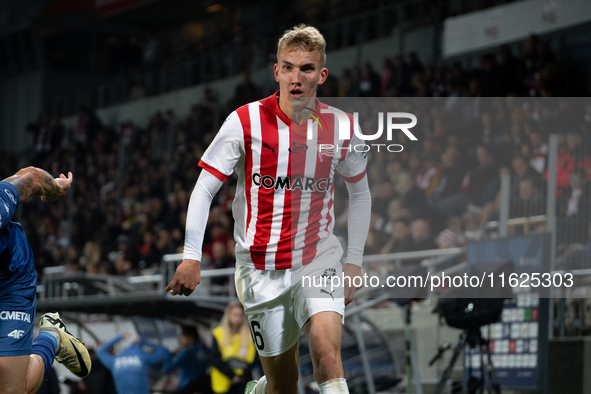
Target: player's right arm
x=218, y=163
x=32, y=181
x=188, y=274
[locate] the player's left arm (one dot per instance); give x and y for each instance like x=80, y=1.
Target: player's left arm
x=358, y=228
x=32, y=181
x=353, y=170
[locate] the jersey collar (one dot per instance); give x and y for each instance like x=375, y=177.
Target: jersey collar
x=279, y=112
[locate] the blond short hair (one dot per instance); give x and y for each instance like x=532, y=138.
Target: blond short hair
x=303, y=37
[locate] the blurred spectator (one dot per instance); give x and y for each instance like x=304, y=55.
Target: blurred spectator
x=87, y=126
x=126, y=265
x=388, y=78
x=123, y=244
x=529, y=201
x=149, y=253
x=413, y=196
x=570, y=157
x=448, y=179
x=91, y=257
x=164, y=243
x=246, y=92
x=130, y=366
x=421, y=235
x=539, y=148
x=473, y=185
x=233, y=352
x=426, y=175
x=397, y=209
x=576, y=201
x=401, y=239
x=220, y=258
x=369, y=84
x=522, y=168
x=346, y=84
x=192, y=361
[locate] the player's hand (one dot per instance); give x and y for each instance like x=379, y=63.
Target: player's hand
x=186, y=278
x=352, y=271
x=63, y=185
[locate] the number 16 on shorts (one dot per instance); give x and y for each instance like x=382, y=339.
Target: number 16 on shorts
x=257, y=336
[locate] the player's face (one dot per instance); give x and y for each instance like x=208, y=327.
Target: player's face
x=299, y=73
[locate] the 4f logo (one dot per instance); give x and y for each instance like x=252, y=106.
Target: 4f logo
x=16, y=334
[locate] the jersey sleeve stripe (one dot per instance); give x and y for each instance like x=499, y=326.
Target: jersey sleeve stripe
x=354, y=179
x=213, y=171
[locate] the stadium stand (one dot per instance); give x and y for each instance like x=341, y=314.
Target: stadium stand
x=125, y=225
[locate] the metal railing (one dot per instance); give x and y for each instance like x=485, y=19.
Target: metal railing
x=526, y=222
x=57, y=283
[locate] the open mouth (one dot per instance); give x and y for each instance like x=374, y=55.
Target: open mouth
x=296, y=93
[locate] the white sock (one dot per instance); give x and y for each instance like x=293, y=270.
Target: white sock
x=57, y=338
x=334, y=386
x=260, y=386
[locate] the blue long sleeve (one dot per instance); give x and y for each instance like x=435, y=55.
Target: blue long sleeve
x=130, y=367
x=160, y=353
x=182, y=357
x=103, y=352
x=192, y=363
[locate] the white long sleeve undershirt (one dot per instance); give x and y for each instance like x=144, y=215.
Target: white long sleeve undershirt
x=358, y=221
x=198, y=212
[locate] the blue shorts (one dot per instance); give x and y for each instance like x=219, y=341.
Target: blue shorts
x=18, y=291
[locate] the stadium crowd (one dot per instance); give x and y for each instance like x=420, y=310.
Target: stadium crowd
x=132, y=184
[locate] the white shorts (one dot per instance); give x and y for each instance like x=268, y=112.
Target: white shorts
x=277, y=309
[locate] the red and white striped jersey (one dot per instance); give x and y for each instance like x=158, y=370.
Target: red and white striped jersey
x=283, y=208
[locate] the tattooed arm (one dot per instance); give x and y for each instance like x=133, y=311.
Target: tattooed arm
x=33, y=181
